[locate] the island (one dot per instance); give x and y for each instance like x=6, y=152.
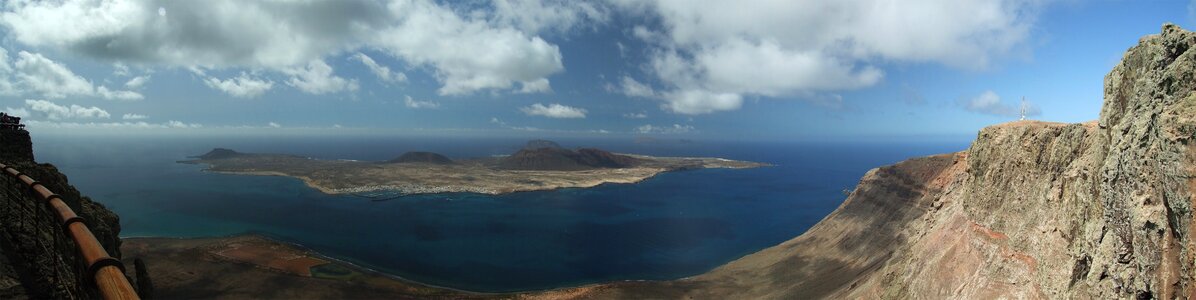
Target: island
x=540, y=165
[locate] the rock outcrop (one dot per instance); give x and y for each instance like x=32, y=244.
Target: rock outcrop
x=15, y=145
x=422, y=157
x=1098, y=210
x=37, y=259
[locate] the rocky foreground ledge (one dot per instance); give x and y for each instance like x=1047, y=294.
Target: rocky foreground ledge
x=535, y=169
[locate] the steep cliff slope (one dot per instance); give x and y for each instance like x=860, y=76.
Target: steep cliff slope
x=37, y=259
x=1031, y=210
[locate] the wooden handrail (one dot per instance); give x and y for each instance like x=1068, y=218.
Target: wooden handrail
x=107, y=272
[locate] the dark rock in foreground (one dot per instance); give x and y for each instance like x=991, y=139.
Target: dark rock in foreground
x=421, y=157
x=38, y=260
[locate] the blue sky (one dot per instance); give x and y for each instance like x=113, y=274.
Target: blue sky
x=754, y=70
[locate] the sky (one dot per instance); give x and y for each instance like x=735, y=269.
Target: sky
x=795, y=70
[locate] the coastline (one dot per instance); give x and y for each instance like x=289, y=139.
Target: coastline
x=417, y=189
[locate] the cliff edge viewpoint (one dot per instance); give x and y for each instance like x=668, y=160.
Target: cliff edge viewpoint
x=1029, y=210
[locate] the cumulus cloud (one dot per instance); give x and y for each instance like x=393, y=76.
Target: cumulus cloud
x=990, y=103
x=709, y=56
x=33, y=73
x=134, y=117
x=631, y=87
x=104, y=92
x=466, y=50
x=497, y=121
x=241, y=86
x=675, y=129
x=53, y=111
x=548, y=15
x=554, y=110
x=381, y=71
x=700, y=101
x=416, y=104
x=503, y=124
x=535, y=86
x=317, y=78
x=468, y=54
x=273, y=125
x=178, y=124
x=48, y=78
x=20, y=112
x=137, y=82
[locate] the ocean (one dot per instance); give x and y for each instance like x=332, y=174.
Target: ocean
x=670, y=226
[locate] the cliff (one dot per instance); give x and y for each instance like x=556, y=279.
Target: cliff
x=1098, y=210
x=37, y=259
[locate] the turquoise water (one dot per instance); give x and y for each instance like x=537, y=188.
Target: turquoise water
x=670, y=226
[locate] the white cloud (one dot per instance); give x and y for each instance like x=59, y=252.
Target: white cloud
x=383, y=72
x=675, y=129
x=554, y=111
x=33, y=73
x=503, y=124
x=990, y=103
x=273, y=125
x=120, y=69
x=638, y=115
x=241, y=86
x=698, y=101
x=53, y=111
x=535, y=86
x=178, y=124
x=416, y=104
x=104, y=92
x=137, y=82
x=317, y=78
x=47, y=77
x=496, y=121
x=134, y=117
x=630, y=87
x=710, y=55
x=19, y=112
x=467, y=50
x=468, y=54
x=535, y=16
x=111, y=125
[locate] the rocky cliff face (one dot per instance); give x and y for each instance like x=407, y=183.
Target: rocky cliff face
x=37, y=259
x=15, y=145
x=1031, y=210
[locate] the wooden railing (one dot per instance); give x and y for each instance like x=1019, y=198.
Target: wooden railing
x=107, y=272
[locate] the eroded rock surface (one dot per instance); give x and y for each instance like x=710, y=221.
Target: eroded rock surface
x=1099, y=210
x=37, y=259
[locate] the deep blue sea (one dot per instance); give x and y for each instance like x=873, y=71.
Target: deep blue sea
x=671, y=226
